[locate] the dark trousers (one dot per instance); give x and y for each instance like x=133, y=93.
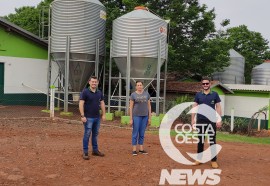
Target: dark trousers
x=202, y=125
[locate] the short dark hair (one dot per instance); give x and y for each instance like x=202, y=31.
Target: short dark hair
x=92, y=77
x=139, y=82
x=206, y=78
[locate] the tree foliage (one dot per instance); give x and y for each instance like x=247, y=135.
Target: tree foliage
x=30, y=18
x=26, y=17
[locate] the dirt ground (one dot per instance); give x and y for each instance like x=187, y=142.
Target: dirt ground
x=39, y=151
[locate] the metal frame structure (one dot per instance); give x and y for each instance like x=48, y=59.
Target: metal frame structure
x=158, y=99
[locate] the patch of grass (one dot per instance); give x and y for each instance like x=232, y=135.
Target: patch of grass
x=226, y=137
x=243, y=139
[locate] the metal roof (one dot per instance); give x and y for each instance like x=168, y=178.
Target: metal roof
x=193, y=87
x=223, y=86
x=265, y=88
x=140, y=14
x=265, y=65
x=12, y=27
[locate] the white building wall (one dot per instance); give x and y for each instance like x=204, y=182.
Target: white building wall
x=244, y=106
x=31, y=72
x=222, y=97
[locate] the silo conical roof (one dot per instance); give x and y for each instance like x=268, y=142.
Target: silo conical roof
x=260, y=74
x=233, y=53
x=88, y=1
x=265, y=65
x=140, y=13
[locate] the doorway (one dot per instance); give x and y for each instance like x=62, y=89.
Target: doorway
x=1, y=82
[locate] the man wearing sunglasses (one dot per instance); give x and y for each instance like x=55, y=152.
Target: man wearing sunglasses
x=210, y=98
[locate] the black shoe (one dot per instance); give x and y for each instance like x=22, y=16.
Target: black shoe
x=134, y=153
x=85, y=156
x=97, y=153
x=143, y=152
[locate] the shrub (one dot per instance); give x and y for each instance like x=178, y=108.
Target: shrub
x=184, y=117
x=240, y=125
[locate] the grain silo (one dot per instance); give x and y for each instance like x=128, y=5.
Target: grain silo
x=84, y=22
x=261, y=74
x=234, y=73
x=145, y=30
x=147, y=34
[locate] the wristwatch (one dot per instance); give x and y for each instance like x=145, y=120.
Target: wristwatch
x=82, y=116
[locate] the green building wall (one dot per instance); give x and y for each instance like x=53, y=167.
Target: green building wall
x=15, y=45
x=218, y=90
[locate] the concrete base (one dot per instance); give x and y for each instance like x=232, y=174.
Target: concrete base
x=161, y=116
x=109, y=116
x=46, y=111
x=155, y=121
x=119, y=113
x=125, y=120
x=66, y=113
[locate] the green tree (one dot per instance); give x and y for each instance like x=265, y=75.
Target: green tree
x=26, y=17
x=30, y=18
x=249, y=44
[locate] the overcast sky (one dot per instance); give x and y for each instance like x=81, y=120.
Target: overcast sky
x=253, y=13
x=8, y=6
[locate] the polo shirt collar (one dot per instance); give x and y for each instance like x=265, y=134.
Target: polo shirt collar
x=91, y=90
x=206, y=94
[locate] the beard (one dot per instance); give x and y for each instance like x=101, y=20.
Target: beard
x=206, y=88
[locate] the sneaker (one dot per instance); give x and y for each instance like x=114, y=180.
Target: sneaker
x=85, y=156
x=214, y=164
x=143, y=152
x=134, y=153
x=195, y=163
x=98, y=153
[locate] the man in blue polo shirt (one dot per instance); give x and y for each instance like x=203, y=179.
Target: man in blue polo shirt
x=210, y=98
x=91, y=100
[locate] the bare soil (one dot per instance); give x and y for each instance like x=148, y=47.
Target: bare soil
x=41, y=151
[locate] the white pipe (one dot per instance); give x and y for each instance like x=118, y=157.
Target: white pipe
x=42, y=92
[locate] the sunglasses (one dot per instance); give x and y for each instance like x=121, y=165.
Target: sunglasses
x=205, y=83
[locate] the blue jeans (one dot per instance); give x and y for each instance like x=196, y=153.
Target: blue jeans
x=139, y=126
x=91, y=125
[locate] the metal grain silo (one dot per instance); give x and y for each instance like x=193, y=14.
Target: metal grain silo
x=261, y=74
x=234, y=73
x=145, y=30
x=84, y=22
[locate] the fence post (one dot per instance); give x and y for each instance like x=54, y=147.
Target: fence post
x=52, y=101
x=232, y=119
x=269, y=114
x=259, y=124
